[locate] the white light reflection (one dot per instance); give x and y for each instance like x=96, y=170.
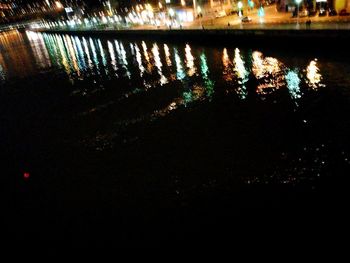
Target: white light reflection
x=73, y=60
x=241, y=73
x=270, y=70
x=122, y=56
x=145, y=53
x=155, y=51
x=63, y=54
x=190, y=61
x=39, y=49
x=227, y=72
x=112, y=55
x=132, y=49
x=313, y=75
x=94, y=55
x=87, y=53
x=167, y=55
x=79, y=50
x=139, y=60
x=102, y=53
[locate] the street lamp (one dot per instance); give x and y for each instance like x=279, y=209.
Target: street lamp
x=298, y=3
x=171, y=12
x=240, y=6
x=59, y=5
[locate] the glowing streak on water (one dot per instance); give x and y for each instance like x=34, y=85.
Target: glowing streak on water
x=241, y=73
x=63, y=54
x=190, y=61
x=155, y=51
x=146, y=55
x=123, y=58
x=87, y=53
x=80, y=52
x=167, y=55
x=132, y=49
x=313, y=75
x=239, y=65
x=73, y=59
x=208, y=83
x=270, y=70
x=258, y=65
x=112, y=55
x=180, y=74
x=293, y=82
x=76, y=55
x=39, y=49
x=225, y=58
x=53, y=50
x=102, y=53
x=227, y=72
x=94, y=55
x=139, y=60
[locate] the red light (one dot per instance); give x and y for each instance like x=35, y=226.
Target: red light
x=26, y=175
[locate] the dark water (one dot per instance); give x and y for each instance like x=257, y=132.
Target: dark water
x=156, y=143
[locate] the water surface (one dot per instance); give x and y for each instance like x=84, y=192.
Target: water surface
x=145, y=135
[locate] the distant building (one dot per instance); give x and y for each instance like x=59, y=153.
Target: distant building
x=289, y=5
x=341, y=4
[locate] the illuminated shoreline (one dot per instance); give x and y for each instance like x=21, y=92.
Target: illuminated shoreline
x=319, y=38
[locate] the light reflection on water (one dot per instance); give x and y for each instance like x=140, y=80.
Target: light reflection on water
x=270, y=70
x=139, y=60
x=313, y=75
x=14, y=56
x=145, y=81
x=293, y=83
x=80, y=57
x=190, y=61
x=151, y=65
x=148, y=66
x=155, y=50
x=241, y=73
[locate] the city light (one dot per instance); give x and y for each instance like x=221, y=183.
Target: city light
x=298, y=3
x=59, y=5
x=171, y=12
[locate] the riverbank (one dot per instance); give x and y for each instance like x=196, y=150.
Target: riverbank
x=300, y=37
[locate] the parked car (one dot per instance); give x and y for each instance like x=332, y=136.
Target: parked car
x=221, y=13
x=322, y=12
x=246, y=19
x=233, y=12
x=303, y=13
x=343, y=12
x=312, y=13
x=332, y=12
